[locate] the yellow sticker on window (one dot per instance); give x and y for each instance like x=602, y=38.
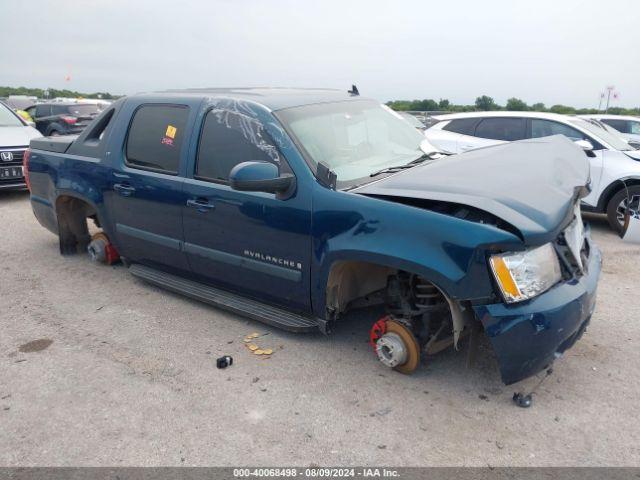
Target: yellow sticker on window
x=171, y=131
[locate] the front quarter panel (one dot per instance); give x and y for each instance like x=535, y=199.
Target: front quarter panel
x=449, y=252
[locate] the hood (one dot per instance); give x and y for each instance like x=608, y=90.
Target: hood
x=635, y=154
x=530, y=184
x=17, y=136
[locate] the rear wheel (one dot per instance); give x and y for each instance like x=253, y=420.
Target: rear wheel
x=617, y=206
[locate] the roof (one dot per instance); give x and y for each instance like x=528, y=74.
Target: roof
x=608, y=116
x=67, y=104
x=271, y=98
x=544, y=115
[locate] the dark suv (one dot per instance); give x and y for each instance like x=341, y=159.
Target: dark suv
x=62, y=118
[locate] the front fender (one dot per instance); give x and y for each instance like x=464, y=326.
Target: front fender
x=447, y=251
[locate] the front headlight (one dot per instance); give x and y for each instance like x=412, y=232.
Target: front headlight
x=523, y=275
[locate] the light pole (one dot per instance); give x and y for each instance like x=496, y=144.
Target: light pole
x=609, y=90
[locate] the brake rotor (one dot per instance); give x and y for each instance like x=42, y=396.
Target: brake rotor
x=411, y=347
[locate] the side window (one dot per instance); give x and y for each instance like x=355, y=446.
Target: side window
x=43, y=111
x=506, y=128
x=634, y=127
x=465, y=126
x=546, y=128
x=155, y=137
x=229, y=138
x=621, y=125
x=31, y=111
x=59, y=110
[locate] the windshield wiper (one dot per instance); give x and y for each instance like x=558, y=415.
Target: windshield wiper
x=422, y=158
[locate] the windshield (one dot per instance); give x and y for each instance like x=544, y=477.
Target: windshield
x=8, y=118
x=354, y=139
x=615, y=141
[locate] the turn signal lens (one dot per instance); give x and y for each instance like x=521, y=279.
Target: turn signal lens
x=503, y=275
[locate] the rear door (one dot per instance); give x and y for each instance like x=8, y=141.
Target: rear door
x=144, y=195
x=249, y=242
x=42, y=117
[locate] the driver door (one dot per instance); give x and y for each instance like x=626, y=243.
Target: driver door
x=251, y=243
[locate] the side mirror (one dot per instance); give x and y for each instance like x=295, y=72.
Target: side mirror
x=584, y=145
x=261, y=177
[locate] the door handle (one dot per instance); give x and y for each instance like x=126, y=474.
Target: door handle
x=124, y=189
x=200, y=204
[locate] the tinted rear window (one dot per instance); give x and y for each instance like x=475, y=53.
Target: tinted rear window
x=507, y=129
x=620, y=125
x=83, y=110
x=465, y=126
x=155, y=137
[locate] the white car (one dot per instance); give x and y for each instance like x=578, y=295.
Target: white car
x=615, y=165
x=15, y=136
x=628, y=126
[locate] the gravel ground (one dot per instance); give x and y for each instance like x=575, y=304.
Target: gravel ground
x=124, y=374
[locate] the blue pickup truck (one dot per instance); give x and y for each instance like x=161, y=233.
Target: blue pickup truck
x=297, y=206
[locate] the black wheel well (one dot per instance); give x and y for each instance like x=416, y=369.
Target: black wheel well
x=73, y=231
x=613, y=189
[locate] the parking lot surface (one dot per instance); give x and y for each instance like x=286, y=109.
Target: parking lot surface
x=99, y=368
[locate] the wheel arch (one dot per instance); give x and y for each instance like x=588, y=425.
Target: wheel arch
x=54, y=127
x=613, y=188
x=340, y=279
x=72, y=211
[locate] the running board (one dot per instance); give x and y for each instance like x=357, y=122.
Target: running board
x=253, y=309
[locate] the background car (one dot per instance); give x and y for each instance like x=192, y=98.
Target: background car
x=15, y=136
x=53, y=119
x=413, y=121
x=615, y=165
x=612, y=131
x=628, y=126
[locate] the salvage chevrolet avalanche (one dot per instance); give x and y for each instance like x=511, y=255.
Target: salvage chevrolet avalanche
x=294, y=207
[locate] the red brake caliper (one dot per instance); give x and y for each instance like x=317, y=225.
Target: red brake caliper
x=377, y=330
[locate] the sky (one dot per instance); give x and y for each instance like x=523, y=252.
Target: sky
x=558, y=51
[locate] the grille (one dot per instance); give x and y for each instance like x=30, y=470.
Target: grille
x=571, y=267
x=17, y=153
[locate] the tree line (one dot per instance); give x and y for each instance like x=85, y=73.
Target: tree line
x=486, y=104
x=53, y=93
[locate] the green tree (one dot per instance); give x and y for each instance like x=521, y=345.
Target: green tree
x=486, y=104
x=538, y=107
x=516, y=105
x=444, y=104
x=563, y=109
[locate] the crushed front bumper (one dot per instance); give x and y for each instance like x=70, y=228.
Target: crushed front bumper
x=527, y=338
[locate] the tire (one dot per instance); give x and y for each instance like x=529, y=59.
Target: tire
x=618, y=203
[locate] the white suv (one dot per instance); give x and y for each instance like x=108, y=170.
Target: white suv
x=629, y=127
x=611, y=158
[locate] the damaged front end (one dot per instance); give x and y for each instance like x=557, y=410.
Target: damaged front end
x=545, y=283
x=528, y=336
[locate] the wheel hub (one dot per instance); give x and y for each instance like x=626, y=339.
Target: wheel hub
x=633, y=204
x=395, y=345
x=391, y=350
